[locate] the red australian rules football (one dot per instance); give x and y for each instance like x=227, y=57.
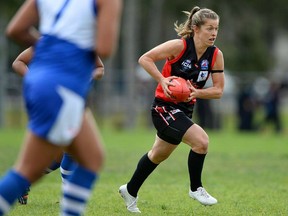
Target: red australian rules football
x=181, y=91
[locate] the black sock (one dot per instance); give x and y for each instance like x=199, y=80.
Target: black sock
x=195, y=166
x=144, y=168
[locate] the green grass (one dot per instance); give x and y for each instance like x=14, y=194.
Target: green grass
x=246, y=172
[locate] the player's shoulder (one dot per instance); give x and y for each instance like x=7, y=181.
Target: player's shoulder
x=217, y=48
x=219, y=53
x=216, y=51
x=176, y=44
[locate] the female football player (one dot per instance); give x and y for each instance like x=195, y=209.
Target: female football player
x=194, y=57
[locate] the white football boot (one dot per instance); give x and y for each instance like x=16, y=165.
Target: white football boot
x=130, y=201
x=202, y=196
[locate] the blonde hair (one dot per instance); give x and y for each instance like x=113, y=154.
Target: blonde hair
x=196, y=17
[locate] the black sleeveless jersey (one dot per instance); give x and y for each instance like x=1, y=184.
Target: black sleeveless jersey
x=187, y=66
x=190, y=68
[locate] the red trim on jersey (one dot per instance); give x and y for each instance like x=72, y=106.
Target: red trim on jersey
x=166, y=72
x=214, y=57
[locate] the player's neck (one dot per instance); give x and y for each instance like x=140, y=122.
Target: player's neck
x=200, y=48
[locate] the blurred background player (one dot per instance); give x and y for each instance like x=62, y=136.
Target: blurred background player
x=62, y=160
x=72, y=34
x=194, y=58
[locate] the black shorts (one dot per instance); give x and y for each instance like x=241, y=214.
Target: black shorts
x=171, y=123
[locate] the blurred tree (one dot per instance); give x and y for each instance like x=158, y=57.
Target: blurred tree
x=5, y=7
x=8, y=7
x=8, y=51
x=247, y=29
x=247, y=33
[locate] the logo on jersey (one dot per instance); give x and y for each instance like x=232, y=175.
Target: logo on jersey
x=202, y=76
x=186, y=65
x=204, y=64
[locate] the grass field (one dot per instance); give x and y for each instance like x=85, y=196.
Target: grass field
x=246, y=172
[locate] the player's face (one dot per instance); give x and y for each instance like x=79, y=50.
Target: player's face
x=208, y=32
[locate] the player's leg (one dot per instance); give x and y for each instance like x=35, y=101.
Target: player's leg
x=160, y=151
x=26, y=171
x=55, y=163
x=170, y=125
x=67, y=166
x=23, y=199
x=198, y=140
x=68, y=163
x=87, y=150
x=87, y=147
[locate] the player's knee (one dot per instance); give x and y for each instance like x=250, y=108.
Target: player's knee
x=96, y=160
x=94, y=164
x=202, y=145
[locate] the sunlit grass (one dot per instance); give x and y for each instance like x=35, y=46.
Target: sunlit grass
x=246, y=172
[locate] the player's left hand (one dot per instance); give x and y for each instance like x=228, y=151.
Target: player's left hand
x=193, y=90
x=98, y=73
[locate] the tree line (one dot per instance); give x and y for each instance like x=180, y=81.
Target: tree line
x=247, y=28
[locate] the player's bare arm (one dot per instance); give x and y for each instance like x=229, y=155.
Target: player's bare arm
x=108, y=25
x=19, y=29
x=20, y=63
x=98, y=73
x=168, y=50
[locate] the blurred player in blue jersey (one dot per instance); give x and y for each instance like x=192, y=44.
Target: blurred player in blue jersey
x=64, y=161
x=72, y=34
